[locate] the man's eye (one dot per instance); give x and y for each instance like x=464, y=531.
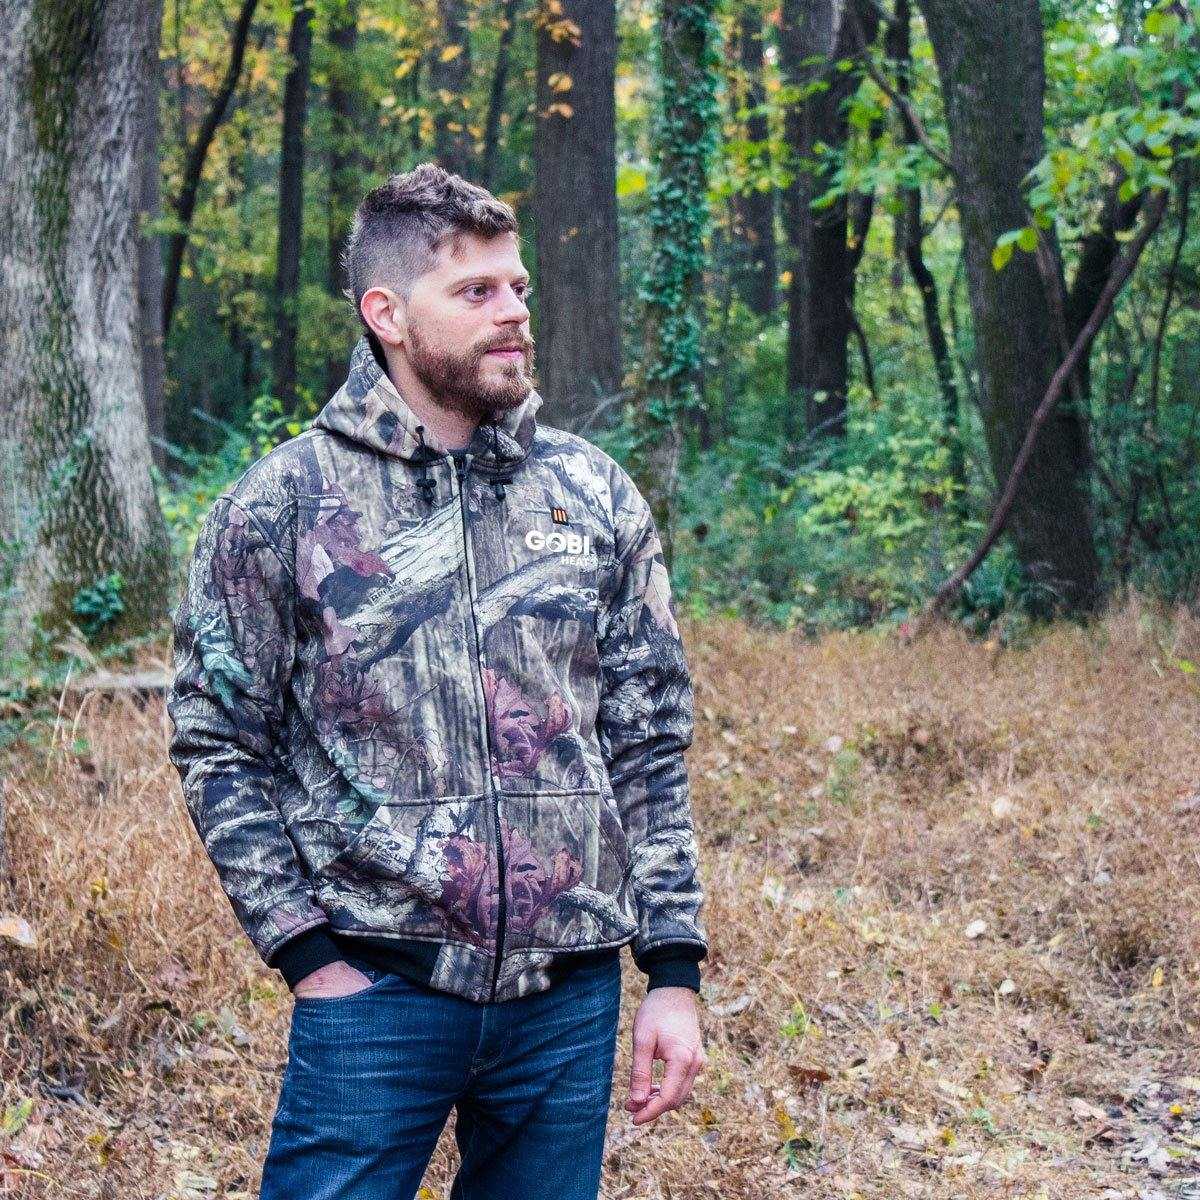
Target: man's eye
x=476, y=289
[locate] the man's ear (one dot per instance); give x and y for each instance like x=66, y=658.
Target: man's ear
x=386, y=313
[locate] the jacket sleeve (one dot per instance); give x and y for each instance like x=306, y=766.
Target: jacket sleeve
x=234, y=640
x=644, y=725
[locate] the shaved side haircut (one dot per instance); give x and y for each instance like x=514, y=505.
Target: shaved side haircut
x=400, y=226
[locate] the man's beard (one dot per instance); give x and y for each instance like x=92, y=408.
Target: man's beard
x=455, y=379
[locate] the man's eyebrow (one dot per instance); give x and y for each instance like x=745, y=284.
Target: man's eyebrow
x=485, y=278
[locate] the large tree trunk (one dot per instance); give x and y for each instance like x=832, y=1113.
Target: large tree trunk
x=814, y=36
x=992, y=75
x=345, y=162
x=291, y=205
x=76, y=497
x=575, y=212
x=684, y=133
x=149, y=248
x=449, y=81
x=753, y=212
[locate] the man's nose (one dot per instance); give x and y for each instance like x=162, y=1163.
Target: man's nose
x=512, y=308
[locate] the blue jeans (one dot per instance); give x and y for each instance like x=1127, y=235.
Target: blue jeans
x=371, y=1079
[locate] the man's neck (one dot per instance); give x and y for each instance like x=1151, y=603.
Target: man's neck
x=445, y=428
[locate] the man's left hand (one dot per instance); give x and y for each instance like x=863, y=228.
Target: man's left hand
x=665, y=1028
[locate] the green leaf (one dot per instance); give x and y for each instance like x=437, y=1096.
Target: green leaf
x=15, y=1116
x=1001, y=254
x=1027, y=239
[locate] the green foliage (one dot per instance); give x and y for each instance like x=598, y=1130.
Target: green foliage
x=99, y=604
x=858, y=534
x=684, y=134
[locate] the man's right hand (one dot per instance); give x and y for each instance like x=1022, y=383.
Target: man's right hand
x=330, y=981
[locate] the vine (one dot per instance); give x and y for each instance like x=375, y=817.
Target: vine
x=684, y=138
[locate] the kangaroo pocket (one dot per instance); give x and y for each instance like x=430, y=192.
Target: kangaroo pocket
x=566, y=872
x=418, y=870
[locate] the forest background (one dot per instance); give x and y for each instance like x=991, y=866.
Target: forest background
x=893, y=309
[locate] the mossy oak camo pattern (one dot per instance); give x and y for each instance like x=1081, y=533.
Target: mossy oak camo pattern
x=388, y=696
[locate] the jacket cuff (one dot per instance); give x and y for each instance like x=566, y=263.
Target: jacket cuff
x=305, y=953
x=672, y=965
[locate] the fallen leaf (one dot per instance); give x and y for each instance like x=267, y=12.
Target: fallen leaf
x=17, y=929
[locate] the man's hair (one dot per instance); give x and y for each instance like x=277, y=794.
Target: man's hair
x=401, y=225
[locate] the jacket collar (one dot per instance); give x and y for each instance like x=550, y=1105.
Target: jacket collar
x=369, y=409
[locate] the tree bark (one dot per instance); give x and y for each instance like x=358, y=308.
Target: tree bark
x=754, y=263
x=76, y=496
x=575, y=212
x=814, y=36
x=149, y=246
x=449, y=79
x=345, y=161
x=291, y=206
x=992, y=75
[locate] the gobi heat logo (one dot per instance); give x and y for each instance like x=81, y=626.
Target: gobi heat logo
x=557, y=541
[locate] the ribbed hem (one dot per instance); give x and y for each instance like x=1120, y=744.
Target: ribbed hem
x=305, y=953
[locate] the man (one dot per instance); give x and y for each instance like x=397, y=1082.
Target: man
x=430, y=708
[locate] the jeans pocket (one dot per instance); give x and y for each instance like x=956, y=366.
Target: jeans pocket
x=379, y=979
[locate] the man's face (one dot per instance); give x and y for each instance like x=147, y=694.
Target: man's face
x=467, y=335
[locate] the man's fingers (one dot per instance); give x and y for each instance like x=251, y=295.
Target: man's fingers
x=640, y=1071
x=679, y=1062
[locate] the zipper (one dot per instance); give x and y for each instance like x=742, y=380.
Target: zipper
x=461, y=469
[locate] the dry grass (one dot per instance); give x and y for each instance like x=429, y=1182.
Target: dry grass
x=863, y=806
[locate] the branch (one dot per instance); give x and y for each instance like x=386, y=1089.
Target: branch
x=1121, y=272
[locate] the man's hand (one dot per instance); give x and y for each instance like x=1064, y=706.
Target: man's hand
x=332, y=980
x=665, y=1027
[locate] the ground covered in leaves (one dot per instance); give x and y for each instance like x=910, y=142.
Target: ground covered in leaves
x=953, y=900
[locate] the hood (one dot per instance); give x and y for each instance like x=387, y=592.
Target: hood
x=368, y=409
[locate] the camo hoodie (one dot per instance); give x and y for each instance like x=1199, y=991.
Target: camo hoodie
x=401, y=679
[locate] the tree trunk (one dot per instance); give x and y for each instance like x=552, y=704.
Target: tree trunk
x=291, y=205
x=682, y=142
x=754, y=267
x=345, y=162
x=197, y=155
x=911, y=228
x=992, y=75
x=76, y=497
x=575, y=212
x=491, y=131
x=149, y=247
x=814, y=36
x=449, y=80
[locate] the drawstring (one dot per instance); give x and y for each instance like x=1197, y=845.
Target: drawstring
x=427, y=485
x=425, y=453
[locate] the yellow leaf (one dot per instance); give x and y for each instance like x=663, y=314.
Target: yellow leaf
x=560, y=81
x=787, y=1127
x=785, y=278
x=449, y=52
x=1157, y=979
x=563, y=110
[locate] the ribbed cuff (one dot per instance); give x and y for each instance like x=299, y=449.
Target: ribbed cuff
x=672, y=964
x=674, y=972
x=306, y=953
